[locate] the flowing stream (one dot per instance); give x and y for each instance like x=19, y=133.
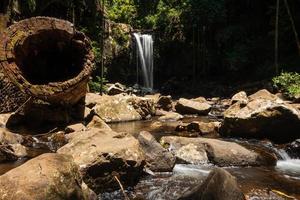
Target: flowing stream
x=144, y=50
x=256, y=182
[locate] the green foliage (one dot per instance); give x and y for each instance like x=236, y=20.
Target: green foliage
x=95, y=85
x=288, y=83
x=121, y=11
x=119, y=35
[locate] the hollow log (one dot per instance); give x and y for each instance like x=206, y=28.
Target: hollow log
x=47, y=59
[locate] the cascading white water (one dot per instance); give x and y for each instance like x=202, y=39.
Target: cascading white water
x=288, y=164
x=144, y=49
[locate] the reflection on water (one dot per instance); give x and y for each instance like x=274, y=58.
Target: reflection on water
x=5, y=167
x=157, y=128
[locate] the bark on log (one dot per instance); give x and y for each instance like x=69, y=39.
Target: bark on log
x=47, y=59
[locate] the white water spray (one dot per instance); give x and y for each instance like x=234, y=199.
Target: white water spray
x=144, y=49
x=287, y=164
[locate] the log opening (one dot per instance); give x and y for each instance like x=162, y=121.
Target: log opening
x=47, y=59
x=49, y=56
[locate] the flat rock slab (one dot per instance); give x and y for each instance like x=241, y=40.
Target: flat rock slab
x=186, y=106
x=103, y=154
x=219, y=152
x=49, y=176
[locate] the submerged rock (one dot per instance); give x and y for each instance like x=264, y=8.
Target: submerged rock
x=103, y=154
x=49, y=176
x=220, y=152
x=158, y=159
x=219, y=185
x=185, y=106
x=265, y=116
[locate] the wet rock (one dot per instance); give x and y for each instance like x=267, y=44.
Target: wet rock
x=57, y=140
x=192, y=154
x=112, y=108
x=185, y=106
x=164, y=103
x=158, y=159
x=75, y=128
x=293, y=149
x=240, y=97
x=115, y=89
x=219, y=185
x=103, y=154
x=49, y=176
x=265, y=116
x=170, y=116
x=220, y=152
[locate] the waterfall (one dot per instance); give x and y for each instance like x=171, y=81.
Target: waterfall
x=144, y=50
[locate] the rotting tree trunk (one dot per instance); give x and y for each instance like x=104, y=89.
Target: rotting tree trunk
x=47, y=59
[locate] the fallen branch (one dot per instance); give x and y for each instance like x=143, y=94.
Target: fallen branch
x=122, y=188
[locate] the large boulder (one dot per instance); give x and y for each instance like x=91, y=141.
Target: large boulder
x=103, y=154
x=186, y=106
x=112, y=108
x=219, y=152
x=158, y=158
x=265, y=116
x=49, y=176
x=219, y=185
